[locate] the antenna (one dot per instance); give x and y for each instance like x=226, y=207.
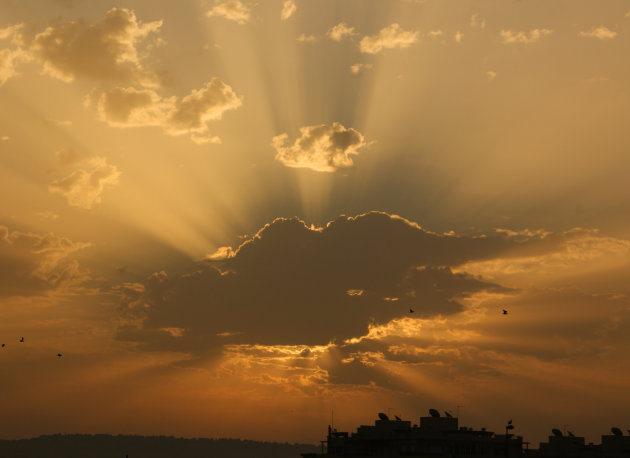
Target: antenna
x=332, y=418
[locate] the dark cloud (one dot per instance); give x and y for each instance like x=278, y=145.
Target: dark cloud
x=291, y=284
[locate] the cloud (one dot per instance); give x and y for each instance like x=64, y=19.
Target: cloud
x=103, y=51
x=340, y=31
x=323, y=148
x=435, y=33
x=390, y=37
x=601, y=33
x=35, y=264
x=355, y=69
x=491, y=75
x=303, y=38
x=130, y=107
x=458, y=37
x=233, y=10
x=534, y=35
x=477, y=21
x=12, y=56
x=290, y=284
x=83, y=188
x=288, y=8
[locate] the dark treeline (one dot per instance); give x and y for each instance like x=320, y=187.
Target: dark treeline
x=107, y=446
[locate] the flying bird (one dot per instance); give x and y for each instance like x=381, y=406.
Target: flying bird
x=2, y=345
x=59, y=355
x=411, y=310
x=504, y=312
x=22, y=339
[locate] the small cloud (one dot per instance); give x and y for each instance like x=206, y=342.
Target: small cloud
x=534, y=35
x=477, y=21
x=83, y=188
x=232, y=10
x=174, y=332
x=601, y=33
x=491, y=75
x=323, y=148
x=435, y=33
x=288, y=8
x=130, y=107
x=355, y=69
x=355, y=292
x=12, y=56
x=67, y=156
x=458, y=37
x=47, y=215
x=223, y=252
x=5, y=138
x=390, y=37
x=307, y=38
x=102, y=51
x=340, y=31
x=34, y=264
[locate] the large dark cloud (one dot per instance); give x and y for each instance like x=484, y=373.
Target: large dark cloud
x=291, y=284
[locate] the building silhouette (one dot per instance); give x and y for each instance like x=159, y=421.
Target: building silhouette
x=439, y=436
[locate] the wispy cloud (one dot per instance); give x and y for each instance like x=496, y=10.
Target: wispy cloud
x=534, y=35
x=390, y=37
x=601, y=33
x=233, y=10
x=340, y=31
x=288, y=8
x=83, y=187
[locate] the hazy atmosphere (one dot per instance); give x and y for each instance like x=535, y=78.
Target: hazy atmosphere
x=230, y=218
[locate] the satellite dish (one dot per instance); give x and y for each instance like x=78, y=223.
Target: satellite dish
x=570, y=434
x=397, y=418
x=434, y=413
x=616, y=431
x=556, y=432
x=383, y=417
x=448, y=414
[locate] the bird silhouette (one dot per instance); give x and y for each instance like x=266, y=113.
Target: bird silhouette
x=22, y=339
x=411, y=310
x=2, y=345
x=59, y=355
x=504, y=312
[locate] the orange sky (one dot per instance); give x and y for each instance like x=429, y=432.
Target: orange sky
x=222, y=212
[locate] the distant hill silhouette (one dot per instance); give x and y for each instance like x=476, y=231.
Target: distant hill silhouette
x=108, y=446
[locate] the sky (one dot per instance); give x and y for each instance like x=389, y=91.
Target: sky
x=236, y=218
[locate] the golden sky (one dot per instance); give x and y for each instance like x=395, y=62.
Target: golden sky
x=222, y=212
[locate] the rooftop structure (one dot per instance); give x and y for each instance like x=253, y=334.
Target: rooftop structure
x=437, y=436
